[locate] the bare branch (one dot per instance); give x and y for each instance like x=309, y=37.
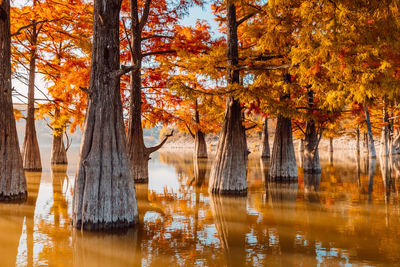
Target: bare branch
x=157, y=36
x=246, y=18
x=251, y=127
x=157, y=147
x=159, y=53
x=124, y=70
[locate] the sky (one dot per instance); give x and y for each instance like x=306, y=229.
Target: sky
x=195, y=13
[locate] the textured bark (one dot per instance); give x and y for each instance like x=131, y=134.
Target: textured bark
x=311, y=156
x=200, y=146
x=30, y=147
x=58, y=151
x=104, y=192
x=265, y=150
x=229, y=173
x=12, y=176
x=371, y=144
x=311, y=141
x=230, y=220
x=138, y=153
x=283, y=160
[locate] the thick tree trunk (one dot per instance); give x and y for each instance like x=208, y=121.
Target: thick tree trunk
x=283, y=160
x=265, y=151
x=58, y=151
x=12, y=176
x=229, y=172
x=104, y=192
x=200, y=146
x=371, y=144
x=30, y=147
x=311, y=156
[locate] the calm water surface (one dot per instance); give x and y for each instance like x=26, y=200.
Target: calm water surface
x=349, y=215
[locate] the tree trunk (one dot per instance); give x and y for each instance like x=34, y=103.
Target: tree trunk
x=200, y=146
x=104, y=192
x=58, y=151
x=385, y=137
x=265, y=151
x=283, y=160
x=30, y=147
x=358, y=140
x=371, y=145
x=229, y=172
x=311, y=156
x=12, y=176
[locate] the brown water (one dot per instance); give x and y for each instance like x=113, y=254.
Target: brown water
x=347, y=216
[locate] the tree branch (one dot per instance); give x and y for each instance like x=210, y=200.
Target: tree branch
x=157, y=36
x=150, y=150
x=190, y=131
x=245, y=18
x=19, y=31
x=124, y=70
x=158, y=53
x=251, y=127
x=145, y=15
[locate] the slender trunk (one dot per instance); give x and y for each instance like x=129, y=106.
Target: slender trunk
x=358, y=140
x=331, y=150
x=200, y=146
x=371, y=144
x=385, y=137
x=58, y=151
x=229, y=172
x=311, y=155
x=104, y=192
x=30, y=147
x=283, y=160
x=12, y=176
x=265, y=151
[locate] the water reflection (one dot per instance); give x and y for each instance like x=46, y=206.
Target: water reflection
x=348, y=214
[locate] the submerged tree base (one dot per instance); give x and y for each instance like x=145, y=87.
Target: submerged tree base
x=20, y=197
x=101, y=226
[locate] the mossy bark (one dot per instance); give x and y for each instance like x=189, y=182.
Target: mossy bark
x=104, y=192
x=12, y=176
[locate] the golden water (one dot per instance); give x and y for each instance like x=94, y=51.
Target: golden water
x=349, y=215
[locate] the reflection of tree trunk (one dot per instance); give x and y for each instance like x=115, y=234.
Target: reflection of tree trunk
x=200, y=170
x=386, y=171
x=230, y=220
x=12, y=176
x=283, y=160
x=107, y=249
x=60, y=204
x=33, y=179
x=104, y=192
x=311, y=186
x=370, y=137
x=371, y=173
x=283, y=200
x=265, y=151
x=58, y=152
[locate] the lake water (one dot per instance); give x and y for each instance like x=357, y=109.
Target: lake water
x=349, y=215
